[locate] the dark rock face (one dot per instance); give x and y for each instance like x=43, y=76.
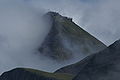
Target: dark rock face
x=104, y=65
x=21, y=74
x=74, y=69
x=67, y=40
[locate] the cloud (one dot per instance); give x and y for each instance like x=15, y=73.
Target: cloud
x=98, y=17
x=22, y=30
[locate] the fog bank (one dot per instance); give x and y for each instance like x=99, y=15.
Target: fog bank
x=22, y=30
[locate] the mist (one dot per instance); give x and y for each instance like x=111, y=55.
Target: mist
x=101, y=18
x=22, y=30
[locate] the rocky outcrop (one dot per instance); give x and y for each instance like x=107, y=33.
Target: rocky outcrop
x=66, y=40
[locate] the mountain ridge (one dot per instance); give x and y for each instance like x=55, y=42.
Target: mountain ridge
x=103, y=65
x=32, y=74
x=99, y=66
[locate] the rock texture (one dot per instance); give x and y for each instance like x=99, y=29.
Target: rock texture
x=104, y=65
x=66, y=40
x=31, y=74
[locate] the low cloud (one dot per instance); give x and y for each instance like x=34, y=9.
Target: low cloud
x=22, y=30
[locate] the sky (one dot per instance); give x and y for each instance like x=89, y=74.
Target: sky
x=101, y=18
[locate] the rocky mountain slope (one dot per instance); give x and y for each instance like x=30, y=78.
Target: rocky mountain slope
x=104, y=65
x=66, y=40
x=31, y=74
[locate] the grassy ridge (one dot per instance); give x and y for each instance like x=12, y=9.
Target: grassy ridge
x=58, y=76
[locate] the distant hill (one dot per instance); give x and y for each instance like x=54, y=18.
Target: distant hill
x=31, y=74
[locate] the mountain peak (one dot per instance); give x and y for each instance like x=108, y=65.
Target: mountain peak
x=66, y=40
x=56, y=16
x=53, y=13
